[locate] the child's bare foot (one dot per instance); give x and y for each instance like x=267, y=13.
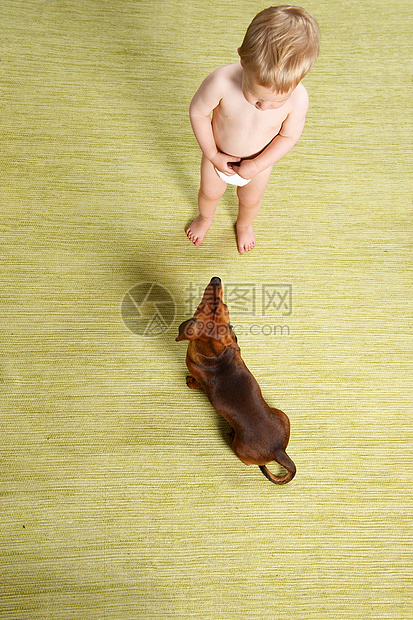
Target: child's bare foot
x=198, y=229
x=246, y=239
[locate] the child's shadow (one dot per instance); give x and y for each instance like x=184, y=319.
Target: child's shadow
x=162, y=91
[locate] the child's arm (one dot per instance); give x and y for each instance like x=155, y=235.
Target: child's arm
x=205, y=100
x=283, y=142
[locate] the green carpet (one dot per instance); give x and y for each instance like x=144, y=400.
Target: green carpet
x=121, y=497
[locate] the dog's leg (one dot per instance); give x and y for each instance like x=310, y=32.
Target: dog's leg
x=192, y=383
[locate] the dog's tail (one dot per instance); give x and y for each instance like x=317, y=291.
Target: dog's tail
x=283, y=459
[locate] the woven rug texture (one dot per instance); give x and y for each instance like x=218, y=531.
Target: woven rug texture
x=121, y=496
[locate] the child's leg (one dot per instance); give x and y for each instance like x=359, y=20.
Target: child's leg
x=210, y=191
x=249, y=199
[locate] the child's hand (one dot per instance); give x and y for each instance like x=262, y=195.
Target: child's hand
x=223, y=162
x=247, y=169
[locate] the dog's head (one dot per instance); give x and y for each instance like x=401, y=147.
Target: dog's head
x=211, y=319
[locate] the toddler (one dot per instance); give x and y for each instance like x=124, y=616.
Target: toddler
x=258, y=109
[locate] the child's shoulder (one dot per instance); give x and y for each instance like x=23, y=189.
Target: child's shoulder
x=300, y=91
x=299, y=97
x=221, y=81
x=225, y=75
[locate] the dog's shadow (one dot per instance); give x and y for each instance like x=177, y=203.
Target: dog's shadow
x=224, y=429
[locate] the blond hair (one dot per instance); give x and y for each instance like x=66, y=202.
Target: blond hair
x=280, y=46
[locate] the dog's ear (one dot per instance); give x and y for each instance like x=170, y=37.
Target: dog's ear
x=189, y=330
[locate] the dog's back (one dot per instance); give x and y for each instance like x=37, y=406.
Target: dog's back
x=260, y=433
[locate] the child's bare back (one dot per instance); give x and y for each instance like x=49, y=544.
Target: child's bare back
x=255, y=121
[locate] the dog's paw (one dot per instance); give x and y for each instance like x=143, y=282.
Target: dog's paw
x=192, y=383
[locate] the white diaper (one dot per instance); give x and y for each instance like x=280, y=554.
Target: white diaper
x=233, y=179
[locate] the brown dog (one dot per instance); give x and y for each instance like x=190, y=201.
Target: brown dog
x=259, y=433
